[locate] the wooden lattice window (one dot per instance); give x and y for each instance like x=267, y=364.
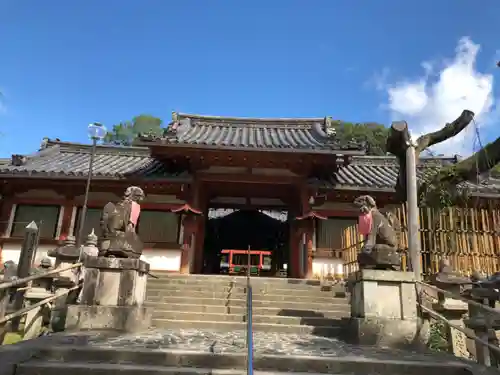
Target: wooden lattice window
x=92, y=221
x=45, y=216
x=158, y=226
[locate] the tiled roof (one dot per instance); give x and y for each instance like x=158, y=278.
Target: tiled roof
x=303, y=135
x=72, y=160
x=379, y=173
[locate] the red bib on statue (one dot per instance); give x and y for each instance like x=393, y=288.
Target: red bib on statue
x=135, y=211
x=365, y=224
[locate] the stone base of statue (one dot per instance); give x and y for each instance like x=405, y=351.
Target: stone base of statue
x=381, y=257
x=384, y=310
x=122, y=245
x=113, y=296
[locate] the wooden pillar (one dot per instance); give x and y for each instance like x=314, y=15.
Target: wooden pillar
x=67, y=219
x=188, y=223
x=294, y=253
x=305, y=244
x=309, y=248
x=192, y=229
x=5, y=223
x=201, y=225
x=5, y=216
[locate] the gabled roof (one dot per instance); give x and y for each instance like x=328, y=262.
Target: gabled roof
x=312, y=135
x=71, y=160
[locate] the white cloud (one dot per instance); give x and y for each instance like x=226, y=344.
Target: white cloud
x=430, y=101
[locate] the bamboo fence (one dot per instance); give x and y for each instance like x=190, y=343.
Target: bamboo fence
x=468, y=237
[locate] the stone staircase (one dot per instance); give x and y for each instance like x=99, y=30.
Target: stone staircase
x=219, y=303
x=200, y=330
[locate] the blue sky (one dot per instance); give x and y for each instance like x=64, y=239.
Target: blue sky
x=64, y=63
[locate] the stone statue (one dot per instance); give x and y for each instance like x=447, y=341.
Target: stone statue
x=449, y=280
x=485, y=287
x=9, y=271
x=118, y=223
x=380, y=249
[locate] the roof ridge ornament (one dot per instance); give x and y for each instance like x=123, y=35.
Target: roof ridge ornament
x=330, y=127
x=18, y=160
x=44, y=144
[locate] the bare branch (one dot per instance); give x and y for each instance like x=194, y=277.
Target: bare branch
x=399, y=138
x=448, y=131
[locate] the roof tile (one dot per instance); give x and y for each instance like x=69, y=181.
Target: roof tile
x=311, y=135
x=58, y=159
x=73, y=160
x=381, y=172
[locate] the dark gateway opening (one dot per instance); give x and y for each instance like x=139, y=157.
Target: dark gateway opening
x=229, y=234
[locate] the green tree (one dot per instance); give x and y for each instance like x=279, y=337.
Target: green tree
x=125, y=133
x=372, y=134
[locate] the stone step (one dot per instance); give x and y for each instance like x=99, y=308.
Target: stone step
x=298, y=329
x=241, y=318
x=101, y=360
x=294, y=305
x=241, y=281
x=324, y=311
x=151, y=295
x=314, y=291
x=83, y=368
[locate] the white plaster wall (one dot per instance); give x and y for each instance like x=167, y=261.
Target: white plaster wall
x=162, y=260
x=12, y=252
x=322, y=267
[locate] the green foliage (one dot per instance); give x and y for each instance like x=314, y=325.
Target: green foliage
x=495, y=172
x=373, y=134
x=12, y=338
x=124, y=133
x=437, y=337
x=441, y=190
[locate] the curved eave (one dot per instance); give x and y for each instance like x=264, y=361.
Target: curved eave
x=391, y=190
x=96, y=177
x=312, y=151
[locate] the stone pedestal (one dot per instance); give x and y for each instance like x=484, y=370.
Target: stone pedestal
x=66, y=255
x=38, y=317
x=384, y=310
x=454, y=310
x=113, y=296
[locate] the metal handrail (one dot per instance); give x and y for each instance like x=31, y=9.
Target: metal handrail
x=24, y=280
x=249, y=320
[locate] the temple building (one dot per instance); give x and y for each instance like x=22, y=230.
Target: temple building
x=212, y=184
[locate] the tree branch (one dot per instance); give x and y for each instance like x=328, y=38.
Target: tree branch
x=399, y=140
x=468, y=169
x=448, y=131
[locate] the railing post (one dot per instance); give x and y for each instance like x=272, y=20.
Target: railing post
x=26, y=259
x=453, y=309
x=249, y=319
x=484, y=324
x=65, y=255
x=4, y=303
